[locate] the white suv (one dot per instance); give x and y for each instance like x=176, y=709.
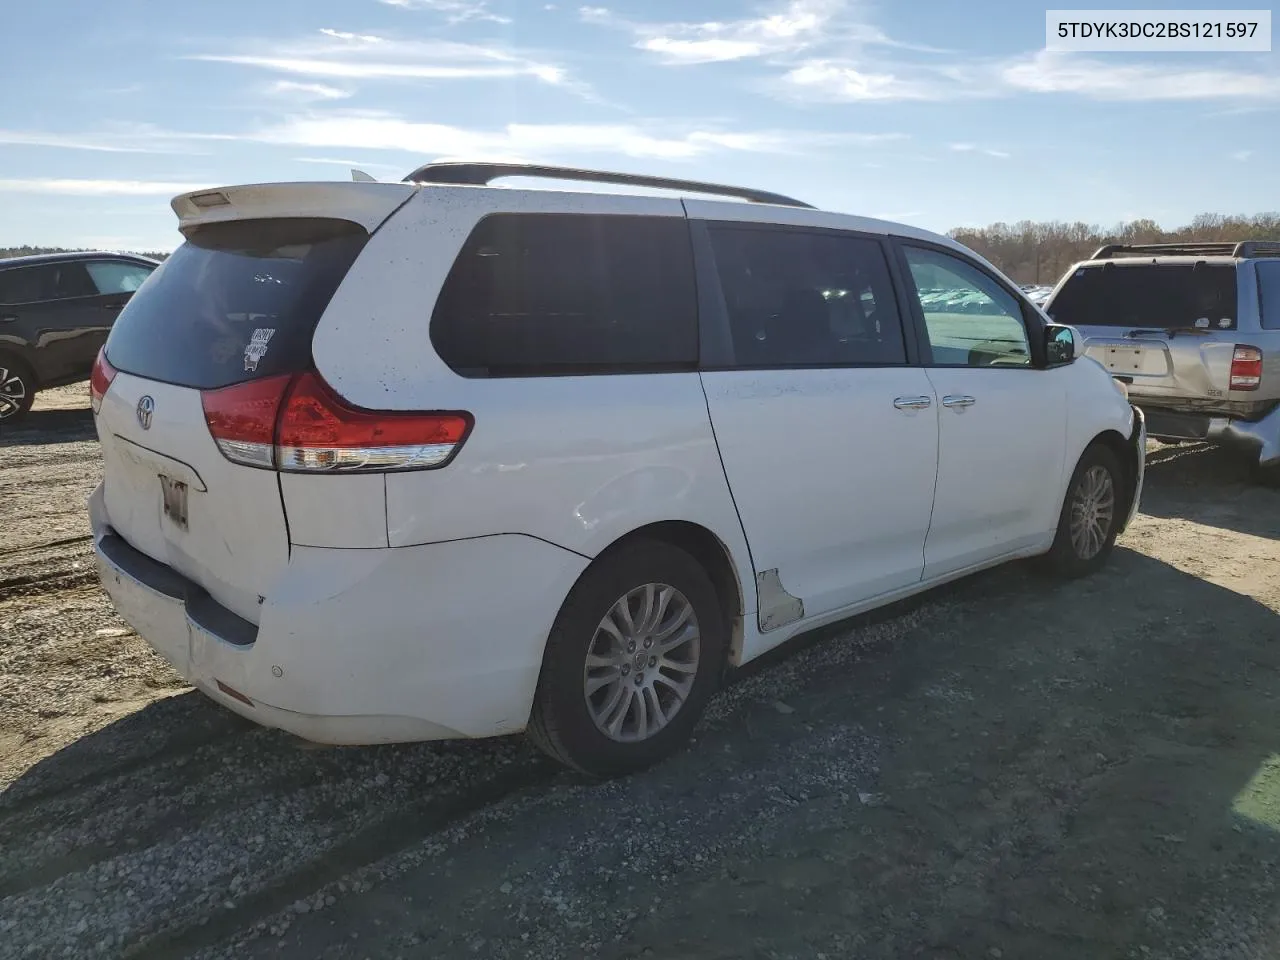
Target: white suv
x=407, y=461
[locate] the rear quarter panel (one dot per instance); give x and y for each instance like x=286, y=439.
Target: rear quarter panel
x=577, y=461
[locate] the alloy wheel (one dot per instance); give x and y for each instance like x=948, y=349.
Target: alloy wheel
x=642, y=663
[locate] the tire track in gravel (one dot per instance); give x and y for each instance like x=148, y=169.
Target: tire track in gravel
x=403, y=828
x=239, y=844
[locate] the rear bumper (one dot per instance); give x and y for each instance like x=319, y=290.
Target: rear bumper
x=1260, y=437
x=1255, y=436
x=360, y=646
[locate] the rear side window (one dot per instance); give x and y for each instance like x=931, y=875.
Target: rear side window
x=1148, y=296
x=801, y=298
x=237, y=301
x=552, y=294
x=116, y=276
x=1269, y=292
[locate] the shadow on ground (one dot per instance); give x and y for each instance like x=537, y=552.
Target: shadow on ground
x=1011, y=768
x=49, y=426
x=1210, y=485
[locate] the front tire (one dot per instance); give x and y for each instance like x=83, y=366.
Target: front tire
x=1091, y=516
x=17, y=390
x=634, y=656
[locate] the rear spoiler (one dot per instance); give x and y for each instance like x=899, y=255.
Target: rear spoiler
x=365, y=203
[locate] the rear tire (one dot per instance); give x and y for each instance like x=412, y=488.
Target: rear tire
x=17, y=390
x=632, y=659
x=1091, y=516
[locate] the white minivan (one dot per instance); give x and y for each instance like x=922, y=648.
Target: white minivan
x=409, y=461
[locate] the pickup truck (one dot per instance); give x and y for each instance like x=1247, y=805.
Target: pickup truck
x=1193, y=331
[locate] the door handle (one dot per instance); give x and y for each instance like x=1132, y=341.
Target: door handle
x=8, y=318
x=954, y=401
x=912, y=403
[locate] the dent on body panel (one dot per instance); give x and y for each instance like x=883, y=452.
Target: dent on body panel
x=777, y=607
x=642, y=491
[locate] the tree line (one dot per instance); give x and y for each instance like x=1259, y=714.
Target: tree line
x=1031, y=252
x=1027, y=251
x=27, y=251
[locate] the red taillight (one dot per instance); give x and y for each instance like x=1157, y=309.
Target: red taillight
x=100, y=380
x=1246, y=368
x=243, y=418
x=297, y=423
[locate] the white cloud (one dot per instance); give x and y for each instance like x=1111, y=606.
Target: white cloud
x=793, y=28
x=826, y=51
x=1042, y=73
x=1052, y=72
x=543, y=141
x=98, y=188
x=364, y=57
x=974, y=148
x=454, y=11
x=385, y=71
x=341, y=162
x=113, y=138
x=293, y=90
x=369, y=131
x=1242, y=155
x=840, y=82
x=342, y=35
x=35, y=139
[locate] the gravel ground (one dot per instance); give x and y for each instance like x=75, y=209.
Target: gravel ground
x=1005, y=768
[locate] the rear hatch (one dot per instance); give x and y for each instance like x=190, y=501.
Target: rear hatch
x=210, y=344
x=1167, y=329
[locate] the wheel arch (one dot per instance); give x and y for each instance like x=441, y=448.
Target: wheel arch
x=1126, y=453
x=715, y=557
x=14, y=353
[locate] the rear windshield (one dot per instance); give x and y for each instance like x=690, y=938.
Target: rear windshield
x=1148, y=296
x=236, y=302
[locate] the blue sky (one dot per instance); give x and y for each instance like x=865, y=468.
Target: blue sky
x=932, y=112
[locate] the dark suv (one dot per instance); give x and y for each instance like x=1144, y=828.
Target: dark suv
x=55, y=312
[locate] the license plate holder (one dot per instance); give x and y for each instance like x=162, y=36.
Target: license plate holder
x=173, y=496
x=1124, y=359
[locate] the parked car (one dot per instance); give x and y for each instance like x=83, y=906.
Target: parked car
x=432, y=459
x=1193, y=329
x=55, y=311
x=1037, y=293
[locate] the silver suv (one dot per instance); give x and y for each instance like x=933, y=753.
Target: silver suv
x=1193, y=330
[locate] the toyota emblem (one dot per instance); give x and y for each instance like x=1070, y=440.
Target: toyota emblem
x=146, y=407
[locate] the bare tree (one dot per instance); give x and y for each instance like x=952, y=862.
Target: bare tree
x=1042, y=252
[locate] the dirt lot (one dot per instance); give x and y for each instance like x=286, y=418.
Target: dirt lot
x=1008, y=768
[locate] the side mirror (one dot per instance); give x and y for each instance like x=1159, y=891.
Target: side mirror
x=1059, y=345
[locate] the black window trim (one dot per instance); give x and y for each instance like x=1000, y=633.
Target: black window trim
x=1262, y=303
x=544, y=371
x=1033, y=323
x=716, y=332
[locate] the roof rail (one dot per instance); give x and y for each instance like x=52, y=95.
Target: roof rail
x=482, y=174
x=1247, y=249
x=1210, y=248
